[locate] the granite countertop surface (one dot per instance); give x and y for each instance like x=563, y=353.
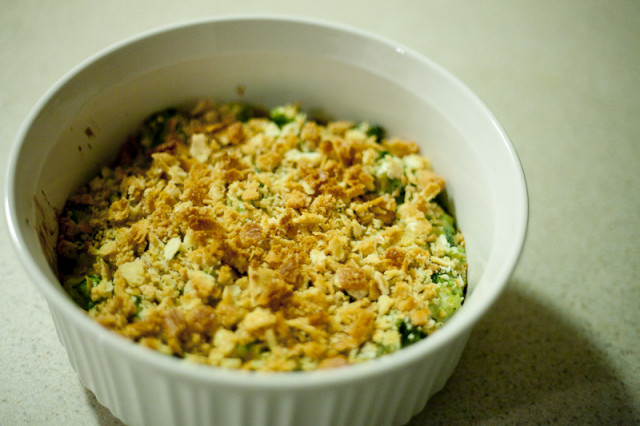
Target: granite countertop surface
x=562, y=344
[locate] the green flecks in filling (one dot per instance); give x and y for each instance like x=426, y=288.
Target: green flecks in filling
x=282, y=115
x=79, y=288
x=409, y=334
x=377, y=132
x=448, y=228
x=161, y=124
x=148, y=252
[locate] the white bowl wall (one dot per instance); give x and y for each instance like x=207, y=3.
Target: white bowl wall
x=78, y=126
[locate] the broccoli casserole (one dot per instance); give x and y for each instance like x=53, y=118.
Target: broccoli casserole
x=264, y=240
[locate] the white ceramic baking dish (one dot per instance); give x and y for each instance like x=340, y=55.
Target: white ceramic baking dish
x=79, y=123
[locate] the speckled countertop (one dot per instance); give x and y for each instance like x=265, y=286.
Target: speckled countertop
x=563, y=343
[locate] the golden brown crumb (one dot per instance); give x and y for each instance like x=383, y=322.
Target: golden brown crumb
x=264, y=244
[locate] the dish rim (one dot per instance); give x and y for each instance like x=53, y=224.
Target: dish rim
x=462, y=322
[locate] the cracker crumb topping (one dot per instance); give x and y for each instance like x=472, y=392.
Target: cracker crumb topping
x=264, y=240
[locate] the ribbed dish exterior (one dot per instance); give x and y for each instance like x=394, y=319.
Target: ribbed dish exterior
x=139, y=394
x=374, y=78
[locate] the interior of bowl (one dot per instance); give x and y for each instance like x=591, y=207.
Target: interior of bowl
x=80, y=124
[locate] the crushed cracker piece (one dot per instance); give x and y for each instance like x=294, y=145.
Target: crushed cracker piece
x=264, y=243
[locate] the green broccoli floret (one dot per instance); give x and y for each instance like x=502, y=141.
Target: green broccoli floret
x=79, y=212
x=376, y=131
x=250, y=351
x=409, y=334
x=382, y=154
x=283, y=115
x=448, y=228
x=243, y=112
x=156, y=127
x=439, y=278
x=449, y=297
x=137, y=300
x=397, y=189
x=80, y=290
x=393, y=187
